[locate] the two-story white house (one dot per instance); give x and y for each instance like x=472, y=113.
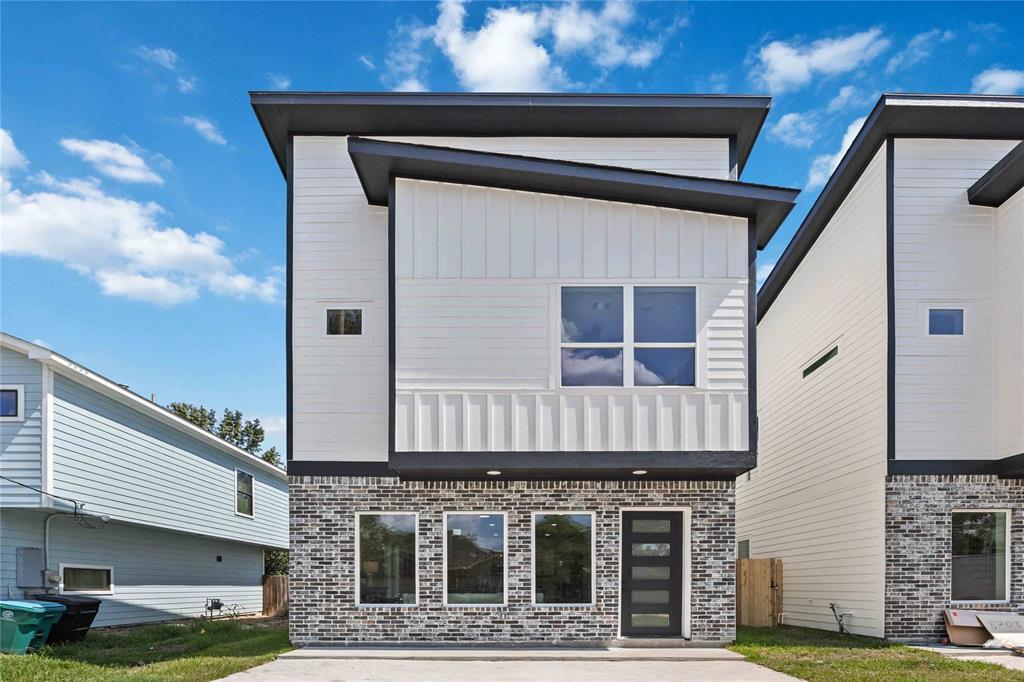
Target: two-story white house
x=891, y=377
x=521, y=381
x=106, y=494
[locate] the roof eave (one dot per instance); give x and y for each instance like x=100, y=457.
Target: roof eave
x=1001, y=182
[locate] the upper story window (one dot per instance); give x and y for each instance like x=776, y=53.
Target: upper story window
x=343, y=321
x=12, y=402
x=946, y=321
x=981, y=560
x=243, y=493
x=628, y=336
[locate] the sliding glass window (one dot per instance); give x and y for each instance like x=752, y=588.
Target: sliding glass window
x=386, y=557
x=474, y=559
x=563, y=558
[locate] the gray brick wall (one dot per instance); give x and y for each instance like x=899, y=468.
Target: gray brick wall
x=918, y=547
x=322, y=571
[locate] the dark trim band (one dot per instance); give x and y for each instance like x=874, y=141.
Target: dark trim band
x=298, y=467
x=890, y=297
x=289, y=289
x=1007, y=467
x=1001, y=182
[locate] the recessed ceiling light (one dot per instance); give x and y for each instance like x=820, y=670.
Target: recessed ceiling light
x=640, y=472
x=494, y=472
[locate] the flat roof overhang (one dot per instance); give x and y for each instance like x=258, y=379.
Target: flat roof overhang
x=378, y=161
x=898, y=115
x=716, y=466
x=509, y=115
x=1001, y=182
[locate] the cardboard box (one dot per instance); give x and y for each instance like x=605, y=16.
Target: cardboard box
x=965, y=629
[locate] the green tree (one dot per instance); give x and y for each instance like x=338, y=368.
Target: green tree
x=197, y=414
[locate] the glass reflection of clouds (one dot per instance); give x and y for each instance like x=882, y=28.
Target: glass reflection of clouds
x=665, y=315
x=663, y=366
x=592, y=314
x=591, y=367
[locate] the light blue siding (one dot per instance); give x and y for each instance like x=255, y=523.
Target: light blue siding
x=137, y=469
x=21, y=441
x=158, y=575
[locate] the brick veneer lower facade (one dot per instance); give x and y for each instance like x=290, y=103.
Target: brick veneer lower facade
x=322, y=571
x=918, y=551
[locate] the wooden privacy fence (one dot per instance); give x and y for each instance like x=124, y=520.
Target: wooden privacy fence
x=275, y=595
x=758, y=592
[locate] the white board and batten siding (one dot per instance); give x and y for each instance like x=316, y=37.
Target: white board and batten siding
x=946, y=254
x=478, y=276
x=157, y=575
x=817, y=497
x=340, y=256
x=1009, y=326
x=21, y=440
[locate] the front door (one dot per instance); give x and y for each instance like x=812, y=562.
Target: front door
x=652, y=574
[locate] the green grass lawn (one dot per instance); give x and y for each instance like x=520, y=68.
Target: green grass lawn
x=194, y=652
x=823, y=656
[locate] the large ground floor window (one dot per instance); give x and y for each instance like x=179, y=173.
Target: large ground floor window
x=981, y=564
x=474, y=559
x=563, y=558
x=387, y=558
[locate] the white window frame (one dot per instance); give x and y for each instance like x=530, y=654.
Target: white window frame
x=927, y=306
x=1009, y=552
x=253, y=477
x=62, y=567
x=416, y=552
x=533, y=560
x=361, y=306
x=444, y=561
x=20, y=388
x=628, y=345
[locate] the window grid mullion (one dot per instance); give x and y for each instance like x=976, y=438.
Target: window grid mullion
x=627, y=336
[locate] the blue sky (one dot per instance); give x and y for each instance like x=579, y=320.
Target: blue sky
x=144, y=214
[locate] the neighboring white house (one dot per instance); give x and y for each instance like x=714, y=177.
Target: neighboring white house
x=107, y=494
x=891, y=376
x=520, y=329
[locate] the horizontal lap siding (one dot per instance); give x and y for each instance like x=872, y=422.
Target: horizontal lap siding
x=21, y=441
x=816, y=499
x=1010, y=327
x=476, y=358
x=340, y=255
x=136, y=469
x=944, y=252
x=158, y=575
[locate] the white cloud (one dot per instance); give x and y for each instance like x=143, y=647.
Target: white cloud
x=997, y=81
x=520, y=47
x=11, y=157
x=846, y=96
x=122, y=244
x=112, y=159
x=786, y=66
x=717, y=81
x=918, y=49
x=279, y=81
x=367, y=62
x=763, y=270
x=161, y=56
x=796, y=130
x=205, y=127
x=187, y=84
x=274, y=424
x=593, y=368
x=823, y=165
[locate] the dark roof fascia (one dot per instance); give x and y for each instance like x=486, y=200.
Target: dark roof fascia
x=903, y=115
x=509, y=115
x=1001, y=182
x=377, y=161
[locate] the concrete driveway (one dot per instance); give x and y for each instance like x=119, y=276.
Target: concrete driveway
x=539, y=665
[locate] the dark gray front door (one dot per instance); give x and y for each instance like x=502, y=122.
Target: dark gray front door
x=652, y=574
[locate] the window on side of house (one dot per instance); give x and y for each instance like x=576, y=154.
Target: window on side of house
x=743, y=549
x=628, y=336
x=563, y=558
x=387, y=558
x=244, y=493
x=474, y=554
x=94, y=579
x=12, y=402
x=820, y=362
x=343, y=321
x=980, y=546
x=945, y=321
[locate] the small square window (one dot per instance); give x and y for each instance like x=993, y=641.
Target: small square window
x=344, y=322
x=946, y=321
x=87, y=579
x=9, y=402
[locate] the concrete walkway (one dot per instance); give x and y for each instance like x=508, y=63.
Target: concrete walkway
x=1004, y=658
x=512, y=665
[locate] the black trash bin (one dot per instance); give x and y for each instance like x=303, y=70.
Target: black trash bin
x=77, y=618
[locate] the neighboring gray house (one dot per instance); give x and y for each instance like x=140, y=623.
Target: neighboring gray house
x=168, y=514
x=521, y=377
x=891, y=363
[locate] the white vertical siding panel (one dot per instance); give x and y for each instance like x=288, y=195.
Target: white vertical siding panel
x=1009, y=327
x=497, y=229
x=620, y=240
x=669, y=432
x=737, y=257
x=598, y=424
x=620, y=420
x=573, y=423
x=474, y=234
x=570, y=238
x=716, y=246
x=595, y=239
x=501, y=422
x=405, y=263
x=646, y=422
x=692, y=422
x=548, y=423
x=405, y=421
x=526, y=427
x=817, y=497
x=451, y=427
x=521, y=238
x=425, y=242
x=546, y=236
x=717, y=424
x=428, y=417
x=691, y=245
x=449, y=251
x=476, y=418
x=666, y=262
x=643, y=241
